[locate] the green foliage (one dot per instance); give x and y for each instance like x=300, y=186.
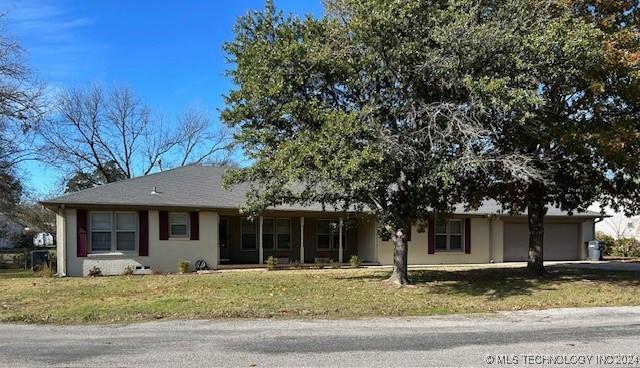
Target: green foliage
x=347, y=114
x=95, y=271
x=110, y=173
x=183, y=265
x=128, y=271
x=272, y=263
x=11, y=190
x=607, y=241
x=627, y=247
x=408, y=108
x=354, y=261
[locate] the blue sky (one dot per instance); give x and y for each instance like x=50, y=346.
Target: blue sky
x=168, y=52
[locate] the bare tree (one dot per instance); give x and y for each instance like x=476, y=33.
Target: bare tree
x=21, y=102
x=107, y=135
x=621, y=226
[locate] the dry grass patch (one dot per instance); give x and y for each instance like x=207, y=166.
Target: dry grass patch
x=346, y=293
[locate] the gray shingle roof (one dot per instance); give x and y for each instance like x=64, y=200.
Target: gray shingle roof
x=201, y=187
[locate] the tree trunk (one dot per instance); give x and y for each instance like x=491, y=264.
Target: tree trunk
x=536, y=210
x=400, y=275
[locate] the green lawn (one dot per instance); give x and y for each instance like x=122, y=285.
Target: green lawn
x=304, y=294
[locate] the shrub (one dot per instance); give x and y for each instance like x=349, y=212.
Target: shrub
x=354, y=261
x=272, y=263
x=629, y=247
x=128, y=271
x=607, y=241
x=95, y=271
x=183, y=265
x=155, y=270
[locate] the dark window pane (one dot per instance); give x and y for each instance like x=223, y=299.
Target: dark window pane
x=248, y=241
x=441, y=242
x=324, y=227
x=441, y=227
x=323, y=241
x=100, y=241
x=267, y=241
x=456, y=227
x=284, y=241
x=179, y=230
x=284, y=226
x=267, y=226
x=248, y=227
x=455, y=242
x=126, y=241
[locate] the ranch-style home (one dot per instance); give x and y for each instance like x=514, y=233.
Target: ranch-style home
x=153, y=221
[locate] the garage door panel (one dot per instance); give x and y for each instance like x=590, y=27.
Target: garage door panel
x=560, y=242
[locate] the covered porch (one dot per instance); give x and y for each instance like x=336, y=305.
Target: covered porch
x=295, y=238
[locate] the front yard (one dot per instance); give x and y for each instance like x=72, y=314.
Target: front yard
x=304, y=294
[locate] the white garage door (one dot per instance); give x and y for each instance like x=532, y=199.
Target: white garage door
x=560, y=242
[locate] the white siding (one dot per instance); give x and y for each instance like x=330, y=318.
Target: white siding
x=163, y=254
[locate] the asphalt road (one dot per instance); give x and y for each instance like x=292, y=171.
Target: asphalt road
x=565, y=337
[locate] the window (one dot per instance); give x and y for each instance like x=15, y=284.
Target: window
x=126, y=225
x=178, y=225
x=284, y=233
x=101, y=231
x=449, y=235
x=267, y=233
x=113, y=231
x=248, y=236
x=328, y=235
x=324, y=234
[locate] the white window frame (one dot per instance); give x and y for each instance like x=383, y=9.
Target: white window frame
x=257, y=233
x=114, y=233
x=187, y=226
x=448, y=235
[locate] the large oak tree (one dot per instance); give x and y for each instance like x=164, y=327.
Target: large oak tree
x=365, y=108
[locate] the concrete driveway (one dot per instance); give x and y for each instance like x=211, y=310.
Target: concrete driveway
x=584, y=335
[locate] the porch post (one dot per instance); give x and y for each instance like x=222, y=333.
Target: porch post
x=301, y=239
x=340, y=242
x=260, y=250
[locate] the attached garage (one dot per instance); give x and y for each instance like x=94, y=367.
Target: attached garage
x=561, y=241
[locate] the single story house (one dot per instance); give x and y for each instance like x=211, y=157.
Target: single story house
x=155, y=220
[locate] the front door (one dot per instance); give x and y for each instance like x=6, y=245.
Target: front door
x=223, y=239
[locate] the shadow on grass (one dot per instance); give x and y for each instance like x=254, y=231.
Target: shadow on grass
x=500, y=283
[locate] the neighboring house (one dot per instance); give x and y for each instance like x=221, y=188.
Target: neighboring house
x=43, y=239
x=154, y=220
x=9, y=230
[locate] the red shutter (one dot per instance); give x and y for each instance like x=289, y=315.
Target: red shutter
x=467, y=235
x=195, y=225
x=432, y=236
x=82, y=233
x=164, y=225
x=143, y=246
